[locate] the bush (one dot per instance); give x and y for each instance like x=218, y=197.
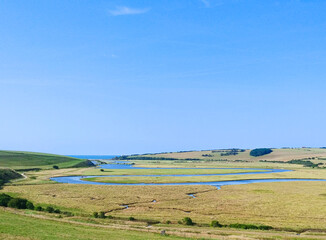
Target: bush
x=55, y=167
x=110, y=217
x=131, y=219
x=19, y=203
x=57, y=211
x=188, y=221
x=102, y=170
x=216, y=224
x=39, y=208
x=101, y=215
x=260, y=152
x=264, y=227
x=30, y=205
x=49, y=209
x=250, y=226
x=4, y=199
x=168, y=222
x=95, y=214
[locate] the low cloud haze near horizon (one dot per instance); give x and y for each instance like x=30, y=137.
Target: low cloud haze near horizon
x=121, y=77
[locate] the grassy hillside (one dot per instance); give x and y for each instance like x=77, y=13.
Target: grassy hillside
x=286, y=154
x=7, y=175
x=24, y=160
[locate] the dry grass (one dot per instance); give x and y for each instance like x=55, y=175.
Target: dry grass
x=295, y=205
x=276, y=155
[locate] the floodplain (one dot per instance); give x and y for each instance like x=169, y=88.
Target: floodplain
x=294, y=210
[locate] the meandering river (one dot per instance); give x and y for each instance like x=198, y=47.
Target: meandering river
x=218, y=184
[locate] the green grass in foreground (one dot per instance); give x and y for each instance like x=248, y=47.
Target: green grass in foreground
x=24, y=160
x=13, y=226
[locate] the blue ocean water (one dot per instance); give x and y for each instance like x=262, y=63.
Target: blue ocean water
x=93, y=157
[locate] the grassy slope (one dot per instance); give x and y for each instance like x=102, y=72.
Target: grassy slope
x=8, y=174
x=276, y=155
x=22, y=160
x=13, y=226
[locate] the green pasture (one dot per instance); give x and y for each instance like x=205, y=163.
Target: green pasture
x=14, y=226
x=24, y=160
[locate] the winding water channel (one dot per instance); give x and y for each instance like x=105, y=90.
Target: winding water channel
x=218, y=184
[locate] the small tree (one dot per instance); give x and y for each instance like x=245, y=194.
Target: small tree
x=95, y=214
x=188, y=221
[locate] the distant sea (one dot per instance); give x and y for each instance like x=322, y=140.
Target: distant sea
x=93, y=156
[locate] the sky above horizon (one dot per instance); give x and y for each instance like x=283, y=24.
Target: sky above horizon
x=123, y=77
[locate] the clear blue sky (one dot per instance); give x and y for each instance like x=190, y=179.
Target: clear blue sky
x=120, y=77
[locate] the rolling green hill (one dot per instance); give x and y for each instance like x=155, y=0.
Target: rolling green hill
x=27, y=160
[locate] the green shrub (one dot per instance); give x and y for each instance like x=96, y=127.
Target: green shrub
x=39, y=208
x=55, y=167
x=188, y=221
x=216, y=224
x=264, y=227
x=250, y=226
x=101, y=215
x=30, y=205
x=57, y=211
x=131, y=219
x=19, y=203
x=95, y=214
x=49, y=209
x=110, y=217
x=4, y=199
x=168, y=222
